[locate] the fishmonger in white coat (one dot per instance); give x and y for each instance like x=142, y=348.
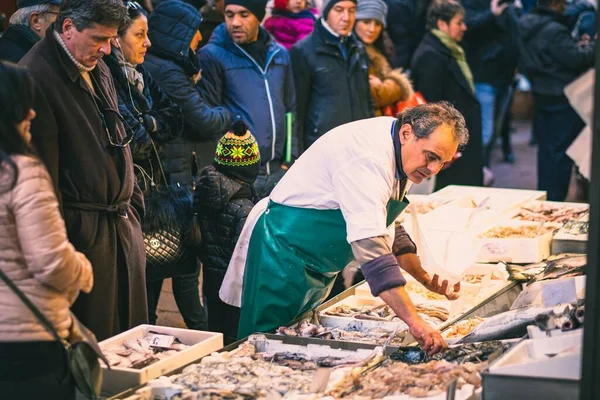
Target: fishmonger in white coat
x=337, y=203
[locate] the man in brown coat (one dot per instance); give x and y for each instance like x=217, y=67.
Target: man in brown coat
x=81, y=138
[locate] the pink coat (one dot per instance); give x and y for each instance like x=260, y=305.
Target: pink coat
x=36, y=255
x=288, y=30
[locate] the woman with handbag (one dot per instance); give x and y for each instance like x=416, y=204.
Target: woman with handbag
x=388, y=86
x=156, y=120
x=36, y=258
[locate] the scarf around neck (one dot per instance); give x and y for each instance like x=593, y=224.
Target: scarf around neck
x=457, y=53
x=79, y=65
x=134, y=77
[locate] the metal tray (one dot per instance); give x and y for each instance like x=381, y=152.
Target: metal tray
x=496, y=303
x=502, y=387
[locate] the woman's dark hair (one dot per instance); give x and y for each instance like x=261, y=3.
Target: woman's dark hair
x=16, y=99
x=134, y=11
x=443, y=10
x=380, y=44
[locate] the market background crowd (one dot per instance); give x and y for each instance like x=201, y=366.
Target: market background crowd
x=215, y=101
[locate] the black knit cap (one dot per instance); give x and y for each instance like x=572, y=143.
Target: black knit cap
x=237, y=155
x=328, y=5
x=256, y=7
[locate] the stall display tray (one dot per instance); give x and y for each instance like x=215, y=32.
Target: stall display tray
x=275, y=344
x=513, y=250
x=118, y=379
x=548, y=368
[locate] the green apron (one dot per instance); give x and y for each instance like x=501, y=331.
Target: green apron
x=294, y=256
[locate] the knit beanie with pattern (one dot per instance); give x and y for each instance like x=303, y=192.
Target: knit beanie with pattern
x=237, y=155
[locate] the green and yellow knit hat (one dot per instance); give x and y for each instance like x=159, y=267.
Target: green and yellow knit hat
x=237, y=155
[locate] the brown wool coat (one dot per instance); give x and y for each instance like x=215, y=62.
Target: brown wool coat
x=69, y=137
x=395, y=86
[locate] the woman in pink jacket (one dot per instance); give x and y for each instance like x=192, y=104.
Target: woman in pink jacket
x=35, y=254
x=290, y=22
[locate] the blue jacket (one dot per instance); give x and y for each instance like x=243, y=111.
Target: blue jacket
x=233, y=79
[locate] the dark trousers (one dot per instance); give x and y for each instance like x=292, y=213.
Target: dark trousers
x=556, y=125
x=34, y=370
x=221, y=316
x=187, y=297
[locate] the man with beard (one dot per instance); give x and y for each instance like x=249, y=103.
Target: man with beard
x=80, y=137
x=248, y=73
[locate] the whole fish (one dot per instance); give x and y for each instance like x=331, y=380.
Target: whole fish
x=498, y=326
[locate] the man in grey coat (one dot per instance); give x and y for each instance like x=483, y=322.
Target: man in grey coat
x=80, y=137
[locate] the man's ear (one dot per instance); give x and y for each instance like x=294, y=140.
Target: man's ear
x=405, y=133
x=34, y=22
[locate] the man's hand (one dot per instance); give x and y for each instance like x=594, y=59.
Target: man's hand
x=434, y=286
x=430, y=340
x=497, y=8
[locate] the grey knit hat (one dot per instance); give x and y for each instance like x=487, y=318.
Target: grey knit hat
x=372, y=9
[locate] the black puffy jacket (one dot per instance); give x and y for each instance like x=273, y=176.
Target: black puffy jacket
x=330, y=90
x=223, y=205
x=174, y=66
x=551, y=55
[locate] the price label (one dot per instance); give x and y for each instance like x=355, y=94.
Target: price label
x=560, y=292
x=158, y=340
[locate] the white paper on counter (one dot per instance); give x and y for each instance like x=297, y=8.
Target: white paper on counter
x=581, y=96
x=428, y=260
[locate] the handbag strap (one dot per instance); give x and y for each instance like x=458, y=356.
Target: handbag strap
x=44, y=321
x=162, y=171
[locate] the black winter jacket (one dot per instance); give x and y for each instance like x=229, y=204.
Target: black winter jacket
x=406, y=20
x=437, y=75
x=16, y=41
x=260, y=95
x=223, y=205
x=175, y=68
x=330, y=90
x=140, y=112
x=550, y=53
x=490, y=43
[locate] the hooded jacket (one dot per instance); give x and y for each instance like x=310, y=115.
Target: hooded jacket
x=223, y=205
x=331, y=89
x=175, y=68
x=287, y=27
x=16, y=41
x=551, y=55
x=260, y=95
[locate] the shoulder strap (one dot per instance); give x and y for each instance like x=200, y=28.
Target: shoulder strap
x=44, y=321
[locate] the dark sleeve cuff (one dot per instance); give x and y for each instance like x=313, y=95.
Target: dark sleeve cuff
x=383, y=273
x=403, y=244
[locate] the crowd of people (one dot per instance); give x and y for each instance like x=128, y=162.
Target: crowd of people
x=131, y=130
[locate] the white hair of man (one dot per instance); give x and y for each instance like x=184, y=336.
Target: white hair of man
x=21, y=16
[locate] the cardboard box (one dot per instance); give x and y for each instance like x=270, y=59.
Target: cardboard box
x=119, y=379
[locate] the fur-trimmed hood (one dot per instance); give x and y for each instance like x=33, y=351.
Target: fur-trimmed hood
x=380, y=67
